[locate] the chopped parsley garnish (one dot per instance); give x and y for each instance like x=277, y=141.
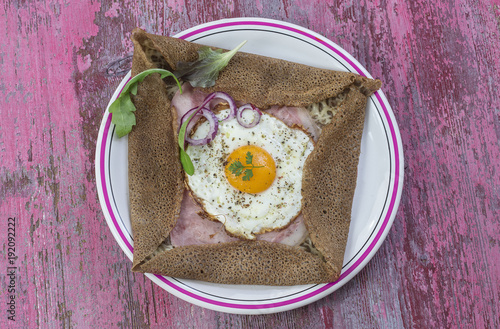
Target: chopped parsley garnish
x=237, y=168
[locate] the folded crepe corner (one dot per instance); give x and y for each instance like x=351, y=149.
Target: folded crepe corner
x=156, y=177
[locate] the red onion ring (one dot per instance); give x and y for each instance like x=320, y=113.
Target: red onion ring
x=225, y=97
x=243, y=108
x=195, y=118
x=203, y=111
x=213, y=122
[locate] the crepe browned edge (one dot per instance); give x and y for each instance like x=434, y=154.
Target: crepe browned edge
x=156, y=178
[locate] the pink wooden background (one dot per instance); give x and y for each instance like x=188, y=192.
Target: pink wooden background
x=440, y=65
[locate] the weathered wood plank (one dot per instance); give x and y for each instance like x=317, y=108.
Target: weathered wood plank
x=440, y=64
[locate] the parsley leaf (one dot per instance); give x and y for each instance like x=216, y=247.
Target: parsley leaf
x=237, y=167
x=248, y=174
x=249, y=157
x=204, y=71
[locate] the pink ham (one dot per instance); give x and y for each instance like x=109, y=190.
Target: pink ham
x=293, y=235
x=189, y=98
x=296, y=116
x=191, y=229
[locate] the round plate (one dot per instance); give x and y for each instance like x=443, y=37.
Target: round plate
x=378, y=190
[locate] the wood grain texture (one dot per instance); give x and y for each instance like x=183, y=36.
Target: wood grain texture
x=440, y=65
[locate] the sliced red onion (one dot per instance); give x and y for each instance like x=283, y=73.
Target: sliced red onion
x=225, y=97
x=197, y=111
x=207, y=100
x=194, y=119
x=202, y=111
x=214, y=127
x=256, y=119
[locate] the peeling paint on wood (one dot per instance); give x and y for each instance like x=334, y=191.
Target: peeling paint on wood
x=440, y=65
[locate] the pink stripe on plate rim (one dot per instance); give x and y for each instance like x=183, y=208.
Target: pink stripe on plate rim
x=321, y=288
x=103, y=178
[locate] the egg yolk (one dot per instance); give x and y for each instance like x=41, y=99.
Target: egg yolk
x=250, y=169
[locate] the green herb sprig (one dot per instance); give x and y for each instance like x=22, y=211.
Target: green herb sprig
x=237, y=167
x=123, y=108
x=205, y=71
x=201, y=73
x=186, y=162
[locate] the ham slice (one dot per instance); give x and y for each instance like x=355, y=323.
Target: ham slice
x=296, y=116
x=293, y=235
x=191, y=228
x=189, y=98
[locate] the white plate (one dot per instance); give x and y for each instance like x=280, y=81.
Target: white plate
x=378, y=187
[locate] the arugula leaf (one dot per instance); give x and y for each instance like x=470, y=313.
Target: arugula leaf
x=186, y=162
x=204, y=71
x=123, y=114
x=122, y=109
x=201, y=73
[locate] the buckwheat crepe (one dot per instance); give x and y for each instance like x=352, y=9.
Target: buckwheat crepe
x=156, y=177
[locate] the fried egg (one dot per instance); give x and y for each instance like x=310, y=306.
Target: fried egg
x=250, y=179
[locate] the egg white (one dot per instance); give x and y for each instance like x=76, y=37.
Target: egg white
x=245, y=214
